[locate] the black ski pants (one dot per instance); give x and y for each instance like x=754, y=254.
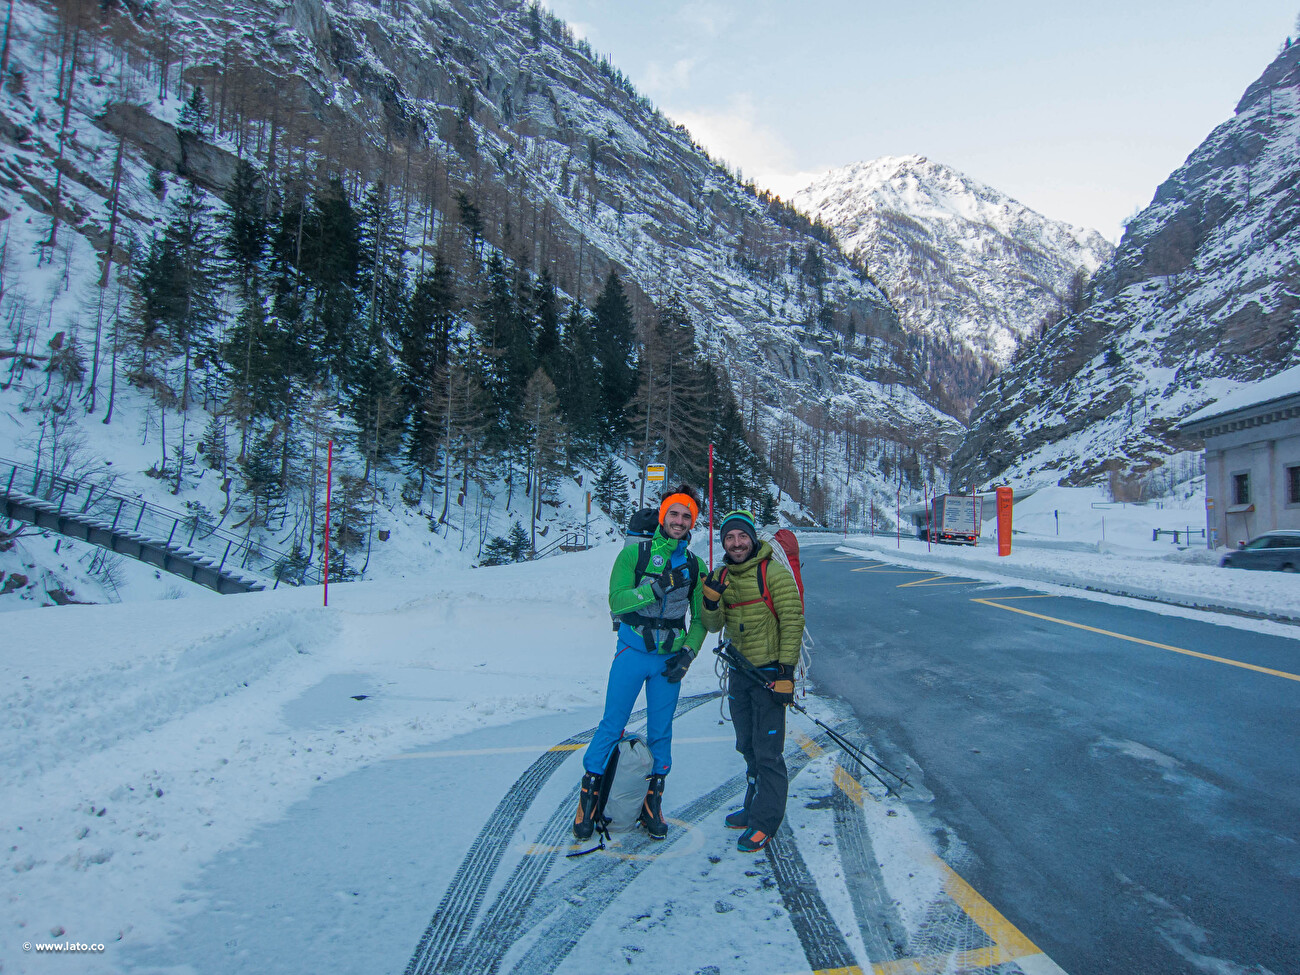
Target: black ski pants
x=760, y=737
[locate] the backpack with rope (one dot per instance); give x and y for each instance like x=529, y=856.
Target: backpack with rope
x=785, y=549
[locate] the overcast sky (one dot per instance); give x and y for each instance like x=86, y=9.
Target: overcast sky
x=1078, y=110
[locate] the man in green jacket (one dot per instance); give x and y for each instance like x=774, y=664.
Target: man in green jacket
x=653, y=588
x=754, y=596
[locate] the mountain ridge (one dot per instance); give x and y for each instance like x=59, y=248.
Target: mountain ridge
x=962, y=261
x=1201, y=295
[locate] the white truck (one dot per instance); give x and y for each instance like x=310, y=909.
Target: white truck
x=953, y=518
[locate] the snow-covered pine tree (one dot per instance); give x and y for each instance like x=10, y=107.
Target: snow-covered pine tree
x=615, y=334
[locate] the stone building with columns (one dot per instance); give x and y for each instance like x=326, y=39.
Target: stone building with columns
x=1252, y=459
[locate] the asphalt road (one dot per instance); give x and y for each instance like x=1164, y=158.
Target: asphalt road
x=1129, y=807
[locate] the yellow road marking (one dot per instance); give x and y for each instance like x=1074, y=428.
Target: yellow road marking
x=921, y=582
x=932, y=582
x=614, y=847
x=534, y=749
x=1041, y=595
x=1146, y=643
x=1004, y=934
x=875, y=568
x=1009, y=942
x=850, y=786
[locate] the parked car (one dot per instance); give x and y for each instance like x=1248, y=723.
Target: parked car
x=1272, y=550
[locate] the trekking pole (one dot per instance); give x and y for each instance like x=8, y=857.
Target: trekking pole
x=729, y=654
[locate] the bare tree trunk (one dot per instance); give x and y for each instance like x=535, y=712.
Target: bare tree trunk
x=75, y=27
x=112, y=383
x=105, y=275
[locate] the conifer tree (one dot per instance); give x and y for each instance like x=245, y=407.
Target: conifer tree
x=576, y=378
x=424, y=350
x=609, y=490
x=381, y=277
x=260, y=468
x=615, y=336
x=518, y=542
x=505, y=360
x=546, y=314
x=671, y=416
x=247, y=228
x=330, y=256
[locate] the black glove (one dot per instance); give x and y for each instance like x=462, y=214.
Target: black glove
x=712, y=589
x=678, y=664
x=671, y=578
x=783, y=685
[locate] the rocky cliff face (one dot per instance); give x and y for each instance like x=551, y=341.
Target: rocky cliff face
x=1202, y=294
x=961, y=261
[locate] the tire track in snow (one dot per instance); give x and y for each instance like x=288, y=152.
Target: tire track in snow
x=823, y=942
x=883, y=932
x=459, y=907
x=444, y=937
x=497, y=931
x=579, y=902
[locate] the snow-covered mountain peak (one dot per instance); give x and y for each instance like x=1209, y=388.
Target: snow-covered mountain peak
x=969, y=267
x=924, y=188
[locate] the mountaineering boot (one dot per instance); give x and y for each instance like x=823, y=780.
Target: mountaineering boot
x=585, y=821
x=651, y=815
x=752, y=840
x=740, y=818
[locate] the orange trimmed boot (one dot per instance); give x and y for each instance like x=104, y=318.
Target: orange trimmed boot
x=752, y=840
x=651, y=815
x=584, y=823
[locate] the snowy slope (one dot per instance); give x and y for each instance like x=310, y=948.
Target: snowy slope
x=1202, y=295
x=962, y=261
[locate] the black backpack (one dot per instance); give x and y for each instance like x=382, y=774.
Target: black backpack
x=643, y=523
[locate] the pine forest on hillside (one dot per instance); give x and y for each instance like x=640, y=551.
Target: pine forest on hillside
x=301, y=284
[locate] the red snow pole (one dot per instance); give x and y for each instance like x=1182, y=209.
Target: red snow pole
x=329, y=481
x=711, y=507
x=898, y=509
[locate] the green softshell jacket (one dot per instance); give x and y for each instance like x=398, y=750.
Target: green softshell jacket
x=761, y=637
x=626, y=596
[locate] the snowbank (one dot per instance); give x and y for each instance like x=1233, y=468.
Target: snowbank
x=140, y=741
x=1107, y=548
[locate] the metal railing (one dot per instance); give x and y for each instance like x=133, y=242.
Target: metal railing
x=1178, y=533
x=571, y=541
x=188, y=535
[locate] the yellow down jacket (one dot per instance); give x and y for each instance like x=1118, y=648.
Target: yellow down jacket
x=750, y=625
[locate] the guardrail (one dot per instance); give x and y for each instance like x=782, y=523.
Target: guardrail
x=1177, y=532
x=187, y=544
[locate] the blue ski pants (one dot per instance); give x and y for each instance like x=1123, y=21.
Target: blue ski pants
x=631, y=670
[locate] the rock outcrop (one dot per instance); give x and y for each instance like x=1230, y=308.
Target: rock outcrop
x=1202, y=294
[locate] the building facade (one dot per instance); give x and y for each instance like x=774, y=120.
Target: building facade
x=1252, y=459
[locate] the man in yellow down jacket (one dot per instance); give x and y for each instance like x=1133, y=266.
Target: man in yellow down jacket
x=754, y=597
